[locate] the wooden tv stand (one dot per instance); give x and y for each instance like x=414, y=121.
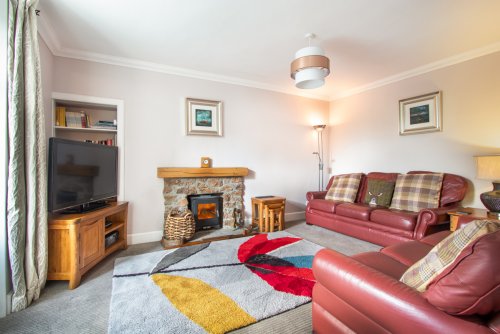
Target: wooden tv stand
x=77, y=241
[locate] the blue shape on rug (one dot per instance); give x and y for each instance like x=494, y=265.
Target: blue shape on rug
x=305, y=261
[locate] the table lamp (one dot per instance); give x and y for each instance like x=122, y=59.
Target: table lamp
x=488, y=168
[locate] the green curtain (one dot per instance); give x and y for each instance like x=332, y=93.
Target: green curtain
x=27, y=173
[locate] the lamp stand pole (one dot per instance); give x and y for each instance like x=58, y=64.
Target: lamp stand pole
x=319, y=130
x=320, y=156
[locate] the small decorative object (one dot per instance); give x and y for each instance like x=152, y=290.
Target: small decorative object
x=420, y=114
x=206, y=162
x=238, y=218
x=203, y=117
x=488, y=168
x=179, y=227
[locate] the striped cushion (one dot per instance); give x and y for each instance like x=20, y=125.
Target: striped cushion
x=444, y=254
x=414, y=192
x=344, y=188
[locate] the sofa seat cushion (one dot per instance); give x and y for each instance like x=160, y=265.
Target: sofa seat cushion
x=407, y=252
x=354, y=210
x=403, y=220
x=324, y=205
x=435, y=238
x=382, y=263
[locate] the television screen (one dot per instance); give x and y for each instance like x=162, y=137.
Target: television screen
x=80, y=173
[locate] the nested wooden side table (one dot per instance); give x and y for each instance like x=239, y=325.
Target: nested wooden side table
x=469, y=214
x=264, y=209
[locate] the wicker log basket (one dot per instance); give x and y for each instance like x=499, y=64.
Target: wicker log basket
x=179, y=227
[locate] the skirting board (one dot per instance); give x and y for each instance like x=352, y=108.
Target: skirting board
x=140, y=238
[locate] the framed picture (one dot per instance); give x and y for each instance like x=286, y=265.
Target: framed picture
x=420, y=114
x=203, y=117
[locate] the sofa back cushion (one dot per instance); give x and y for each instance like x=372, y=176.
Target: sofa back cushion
x=453, y=189
x=344, y=187
x=461, y=274
x=414, y=192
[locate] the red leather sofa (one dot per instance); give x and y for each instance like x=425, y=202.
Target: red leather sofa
x=379, y=225
x=363, y=294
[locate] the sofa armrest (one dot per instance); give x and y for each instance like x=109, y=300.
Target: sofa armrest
x=386, y=301
x=428, y=218
x=315, y=195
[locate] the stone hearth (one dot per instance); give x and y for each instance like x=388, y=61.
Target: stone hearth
x=178, y=183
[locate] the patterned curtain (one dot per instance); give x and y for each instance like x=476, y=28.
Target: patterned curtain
x=27, y=173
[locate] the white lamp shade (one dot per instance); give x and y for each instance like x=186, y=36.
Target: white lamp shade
x=310, y=67
x=309, y=51
x=310, y=78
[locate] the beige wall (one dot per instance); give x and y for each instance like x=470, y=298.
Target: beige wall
x=270, y=133
x=364, y=133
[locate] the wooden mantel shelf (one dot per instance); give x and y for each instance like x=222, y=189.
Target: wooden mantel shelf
x=180, y=172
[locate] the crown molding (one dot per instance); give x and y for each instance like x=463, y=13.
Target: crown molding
x=179, y=71
x=49, y=36
x=460, y=58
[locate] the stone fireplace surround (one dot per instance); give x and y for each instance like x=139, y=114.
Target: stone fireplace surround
x=178, y=183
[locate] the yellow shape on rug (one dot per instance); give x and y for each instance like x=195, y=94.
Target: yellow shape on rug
x=203, y=304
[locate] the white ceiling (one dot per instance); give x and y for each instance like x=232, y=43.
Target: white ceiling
x=252, y=42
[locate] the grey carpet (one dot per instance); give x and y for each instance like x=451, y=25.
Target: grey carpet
x=86, y=308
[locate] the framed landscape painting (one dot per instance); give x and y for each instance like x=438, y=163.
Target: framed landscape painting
x=203, y=117
x=420, y=114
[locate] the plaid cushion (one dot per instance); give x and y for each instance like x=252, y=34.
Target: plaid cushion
x=422, y=272
x=344, y=188
x=414, y=192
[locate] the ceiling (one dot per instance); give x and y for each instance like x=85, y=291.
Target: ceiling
x=252, y=42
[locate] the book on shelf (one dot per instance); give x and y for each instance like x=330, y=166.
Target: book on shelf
x=60, y=116
x=105, y=125
x=73, y=120
x=76, y=119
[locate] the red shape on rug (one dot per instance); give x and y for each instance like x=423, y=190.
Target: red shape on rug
x=259, y=244
x=304, y=273
x=289, y=279
x=289, y=284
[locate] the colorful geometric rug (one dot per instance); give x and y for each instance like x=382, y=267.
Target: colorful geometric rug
x=211, y=288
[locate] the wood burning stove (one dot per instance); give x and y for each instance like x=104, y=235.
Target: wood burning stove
x=207, y=210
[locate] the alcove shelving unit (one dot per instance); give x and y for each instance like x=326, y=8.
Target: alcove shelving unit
x=97, y=109
x=77, y=242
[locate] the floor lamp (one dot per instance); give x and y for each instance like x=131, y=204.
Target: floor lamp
x=319, y=129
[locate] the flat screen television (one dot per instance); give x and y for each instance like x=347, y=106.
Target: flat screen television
x=81, y=175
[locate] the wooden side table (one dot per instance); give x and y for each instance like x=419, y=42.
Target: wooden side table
x=258, y=204
x=471, y=213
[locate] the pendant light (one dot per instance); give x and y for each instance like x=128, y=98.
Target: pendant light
x=310, y=66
